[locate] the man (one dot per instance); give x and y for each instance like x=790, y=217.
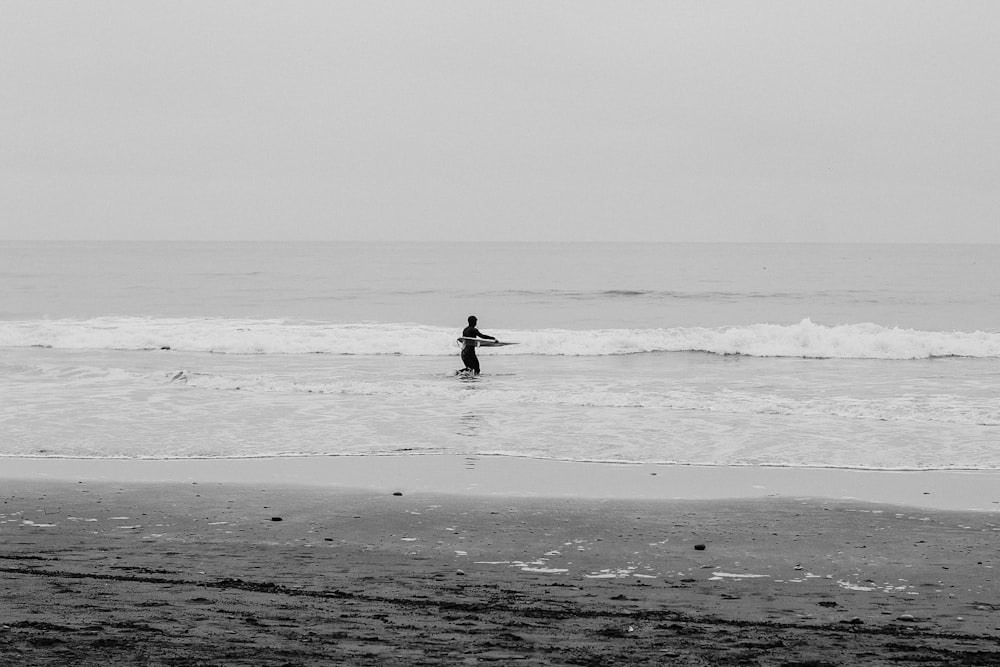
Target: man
x=469, y=357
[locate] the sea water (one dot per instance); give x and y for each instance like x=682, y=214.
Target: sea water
x=855, y=356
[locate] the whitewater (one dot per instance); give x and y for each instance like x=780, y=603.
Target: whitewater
x=866, y=357
x=804, y=339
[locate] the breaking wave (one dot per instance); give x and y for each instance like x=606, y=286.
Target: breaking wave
x=804, y=339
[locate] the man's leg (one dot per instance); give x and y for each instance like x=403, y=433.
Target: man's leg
x=471, y=360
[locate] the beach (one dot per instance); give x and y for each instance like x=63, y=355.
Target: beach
x=736, y=265
x=182, y=564
x=260, y=454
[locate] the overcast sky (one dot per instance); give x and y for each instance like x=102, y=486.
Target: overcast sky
x=578, y=120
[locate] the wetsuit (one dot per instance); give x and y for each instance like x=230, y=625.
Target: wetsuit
x=469, y=357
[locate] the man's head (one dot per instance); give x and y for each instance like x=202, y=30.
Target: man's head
x=472, y=320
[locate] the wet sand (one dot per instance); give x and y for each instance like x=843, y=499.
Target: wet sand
x=522, y=477
x=222, y=572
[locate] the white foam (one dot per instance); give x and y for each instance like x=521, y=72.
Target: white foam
x=805, y=339
x=939, y=408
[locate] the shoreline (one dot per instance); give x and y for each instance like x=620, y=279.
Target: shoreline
x=977, y=491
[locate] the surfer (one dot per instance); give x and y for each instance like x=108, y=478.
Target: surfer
x=469, y=357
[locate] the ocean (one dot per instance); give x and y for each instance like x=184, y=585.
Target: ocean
x=881, y=357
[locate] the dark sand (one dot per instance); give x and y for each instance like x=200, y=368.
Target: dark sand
x=109, y=573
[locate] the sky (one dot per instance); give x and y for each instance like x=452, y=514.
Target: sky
x=794, y=121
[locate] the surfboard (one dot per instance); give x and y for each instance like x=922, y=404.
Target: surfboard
x=482, y=342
